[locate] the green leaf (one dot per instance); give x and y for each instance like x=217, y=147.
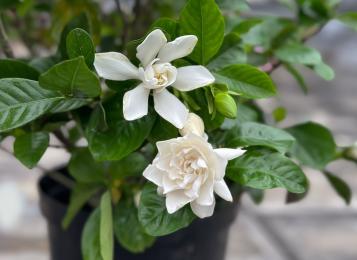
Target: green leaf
x=29, y=148
x=132, y=165
x=4, y=4
x=279, y=114
x=255, y=134
x=162, y=130
x=80, y=194
x=298, y=77
x=266, y=170
x=314, y=147
x=340, y=186
x=203, y=19
x=167, y=25
x=17, y=69
x=122, y=137
x=246, y=113
x=42, y=64
x=84, y=169
x=106, y=236
x=296, y=53
x=22, y=101
x=244, y=26
x=90, y=242
x=247, y=81
x=324, y=71
x=79, y=43
x=233, y=5
x=230, y=53
x=154, y=217
x=349, y=19
x=128, y=230
x=72, y=78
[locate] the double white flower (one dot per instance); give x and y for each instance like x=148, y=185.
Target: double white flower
x=188, y=170
x=155, y=73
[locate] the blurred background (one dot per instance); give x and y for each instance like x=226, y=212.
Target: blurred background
x=319, y=227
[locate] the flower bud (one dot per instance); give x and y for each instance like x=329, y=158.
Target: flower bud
x=226, y=105
x=193, y=124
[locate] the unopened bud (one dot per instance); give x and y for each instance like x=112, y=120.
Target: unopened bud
x=226, y=105
x=194, y=124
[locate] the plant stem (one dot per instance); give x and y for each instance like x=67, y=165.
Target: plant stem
x=4, y=40
x=63, y=140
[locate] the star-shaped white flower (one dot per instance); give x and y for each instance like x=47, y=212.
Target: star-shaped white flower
x=156, y=73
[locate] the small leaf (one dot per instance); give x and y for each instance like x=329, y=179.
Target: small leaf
x=349, y=19
x=324, y=71
x=255, y=134
x=279, y=114
x=80, y=194
x=296, y=53
x=90, y=242
x=154, y=217
x=298, y=77
x=128, y=230
x=79, y=43
x=17, y=69
x=29, y=148
x=247, y=81
x=203, y=19
x=266, y=170
x=340, y=186
x=71, y=78
x=106, y=236
x=314, y=146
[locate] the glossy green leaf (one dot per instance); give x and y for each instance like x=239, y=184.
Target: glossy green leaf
x=244, y=26
x=168, y=25
x=29, y=148
x=203, y=19
x=80, y=194
x=122, y=137
x=71, y=78
x=162, y=130
x=132, y=165
x=17, y=69
x=255, y=134
x=22, y=101
x=267, y=170
x=349, y=19
x=43, y=64
x=90, y=242
x=340, y=186
x=247, y=81
x=106, y=236
x=230, y=53
x=314, y=146
x=296, y=53
x=246, y=113
x=79, y=43
x=127, y=228
x=154, y=217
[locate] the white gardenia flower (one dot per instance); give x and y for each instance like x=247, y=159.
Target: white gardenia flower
x=156, y=74
x=194, y=124
x=188, y=170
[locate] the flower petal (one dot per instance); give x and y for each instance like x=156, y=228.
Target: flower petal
x=135, y=103
x=206, y=196
x=180, y=47
x=192, y=77
x=168, y=185
x=202, y=211
x=150, y=47
x=222, y=190
x=114, y=66
x=229, y=154
x=170, y=108
x=176, y=200
x=153, y=174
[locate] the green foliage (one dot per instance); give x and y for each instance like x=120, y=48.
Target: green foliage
x=203, y=19
x=10, y=68
x=296, y=53
x=349, y=19
x=127, y=228
x=90, y=243
x=30, y=147
x=246, y=81
x=255, y=134
x=79, y=43
x=298, y=77
x=71, y=78
x=279, y=114
x=225, y=105
x=167, y=25
x=154, y=217
x=4, y=4
x=314, y=147
x=267, y=170
x=340, y=186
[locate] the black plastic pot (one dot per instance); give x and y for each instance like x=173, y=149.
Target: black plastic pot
x=204, y=239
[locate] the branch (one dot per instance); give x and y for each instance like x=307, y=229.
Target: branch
x=4, y=40
x=63, y=140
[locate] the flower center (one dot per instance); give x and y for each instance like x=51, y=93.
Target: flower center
x=158, y=75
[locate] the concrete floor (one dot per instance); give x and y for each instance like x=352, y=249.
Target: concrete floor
x=320, y=227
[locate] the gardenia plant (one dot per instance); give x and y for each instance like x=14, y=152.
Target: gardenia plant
x=160, y=128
